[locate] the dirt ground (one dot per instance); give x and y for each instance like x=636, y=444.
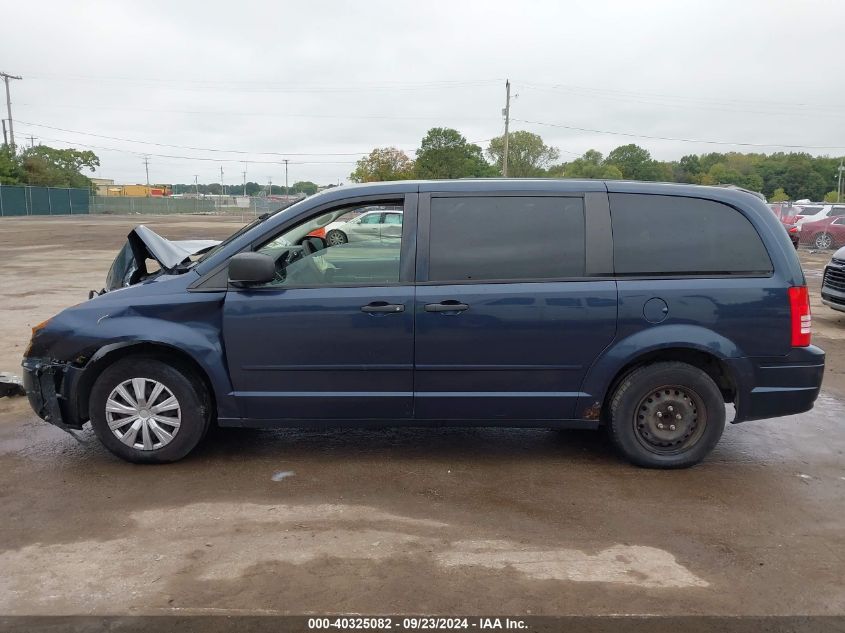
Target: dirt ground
x=436, y=521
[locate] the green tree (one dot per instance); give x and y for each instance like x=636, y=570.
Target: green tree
x=528, y=155
x=634, y=162
x=10, y=168
x=49, y=167
x=383, y=163
x=445, y=153
x=591, y=165
x=831, y=196
x=304, y=186
x=779, y=196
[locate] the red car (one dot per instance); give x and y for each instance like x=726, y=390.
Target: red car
x=824, y=234
x=787, y=217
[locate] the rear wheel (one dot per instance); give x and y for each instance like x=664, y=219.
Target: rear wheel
x=666, y=415
x=148, y=411
x=823, y=241
x=336, y=238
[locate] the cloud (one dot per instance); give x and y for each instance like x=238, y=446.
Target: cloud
x=304, y=77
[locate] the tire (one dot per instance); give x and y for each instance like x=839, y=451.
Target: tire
x=336, y=238
x=660, y=392
x=145, y=439
x=823, y=241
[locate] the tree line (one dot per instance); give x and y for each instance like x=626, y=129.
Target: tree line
x=445, y=153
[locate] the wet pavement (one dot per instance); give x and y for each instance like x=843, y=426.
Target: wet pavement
x=424, y=521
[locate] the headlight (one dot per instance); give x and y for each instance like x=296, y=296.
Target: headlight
x=35, y=330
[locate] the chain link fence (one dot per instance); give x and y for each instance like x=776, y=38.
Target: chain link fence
x=25, y=200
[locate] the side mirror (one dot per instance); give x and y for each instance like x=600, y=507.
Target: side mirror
x=251, y=268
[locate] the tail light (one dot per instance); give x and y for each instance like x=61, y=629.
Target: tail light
x=321, y=232
x=799, y=309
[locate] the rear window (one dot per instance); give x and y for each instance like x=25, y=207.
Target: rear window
x=506, y=238
x=674, y=235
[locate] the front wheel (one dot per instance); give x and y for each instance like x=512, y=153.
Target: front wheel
x=336, y=238
x=666, y=415
x=148, y=411
x=823, y=241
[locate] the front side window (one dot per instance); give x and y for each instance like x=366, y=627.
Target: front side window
x=333, y=250
x=671, y=235
x=506, y=238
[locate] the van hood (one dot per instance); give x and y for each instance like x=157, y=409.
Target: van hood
x=840, y=254
x=129, y=267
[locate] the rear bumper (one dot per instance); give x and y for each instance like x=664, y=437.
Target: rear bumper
x=781, y=386
x=45, y=382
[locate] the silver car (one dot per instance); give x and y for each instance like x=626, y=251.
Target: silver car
x=372, y=225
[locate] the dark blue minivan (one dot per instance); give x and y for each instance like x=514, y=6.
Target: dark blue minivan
x=638, y=307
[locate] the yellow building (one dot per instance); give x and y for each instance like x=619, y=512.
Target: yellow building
x=136, y=191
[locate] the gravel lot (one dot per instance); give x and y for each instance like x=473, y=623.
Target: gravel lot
x=487, y=521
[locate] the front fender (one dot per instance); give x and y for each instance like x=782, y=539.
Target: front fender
x=189, y=323
x=626, y=351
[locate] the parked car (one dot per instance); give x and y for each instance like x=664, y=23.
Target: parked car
x=794, y=233
x=372, y=225
x=823, y=234
x=833, y=282
x=787, y=218
x=818, y=212
x=638, y=307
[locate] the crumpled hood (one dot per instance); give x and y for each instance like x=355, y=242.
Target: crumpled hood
x=142, y=243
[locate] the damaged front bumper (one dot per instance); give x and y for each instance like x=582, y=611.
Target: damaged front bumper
x=46, y=382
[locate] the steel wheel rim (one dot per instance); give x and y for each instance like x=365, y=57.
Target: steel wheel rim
x=670, y=420
x=143, y=414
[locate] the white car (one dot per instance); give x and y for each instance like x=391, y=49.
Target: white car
x=809, y=212
x=372, y=225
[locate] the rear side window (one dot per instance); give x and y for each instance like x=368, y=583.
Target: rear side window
x=675, y=235
x=506, y=238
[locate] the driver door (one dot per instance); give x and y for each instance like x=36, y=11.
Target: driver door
x=332, y=338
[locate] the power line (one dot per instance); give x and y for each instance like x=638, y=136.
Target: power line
x=673, y=138
x=627, y=94
x=200, y=149
x=201, y=158
x=201, y=84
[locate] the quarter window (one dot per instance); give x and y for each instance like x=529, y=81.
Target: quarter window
x=657, y=235
x=506, y=238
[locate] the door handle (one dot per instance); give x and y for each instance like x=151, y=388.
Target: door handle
x=446, y=306
x=382, y=306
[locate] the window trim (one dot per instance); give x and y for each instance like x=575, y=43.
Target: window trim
x=596, y=265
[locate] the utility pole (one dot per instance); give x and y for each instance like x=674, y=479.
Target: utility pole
x=147, y=168
x=6, y=77
x=840, y=169
x=269, y=187
x=196, y=185
x=507, y=112
x=5, y=138
x=32, y=140
x=287, y=191
x=244, y=173
x=222, y=187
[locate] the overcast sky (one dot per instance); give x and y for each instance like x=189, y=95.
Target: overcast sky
x=320, y=83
